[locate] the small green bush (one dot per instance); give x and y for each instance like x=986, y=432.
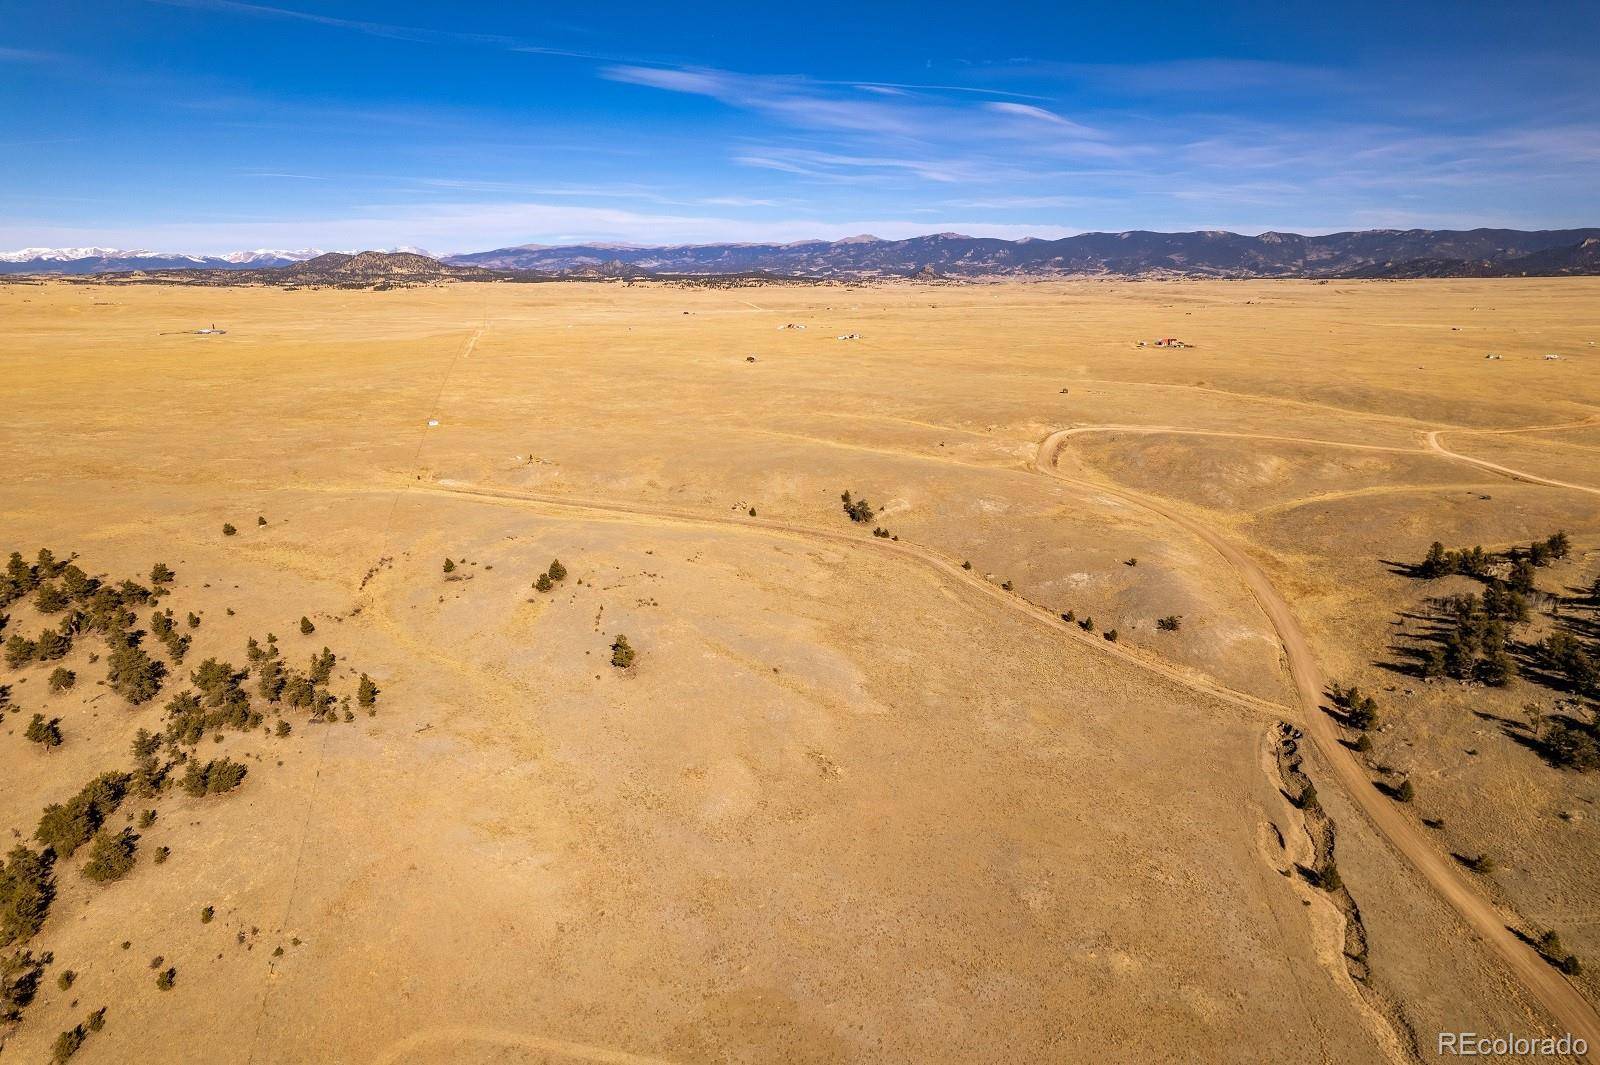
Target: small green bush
x=622, y=653
x=228, y=530
x=67, y=1044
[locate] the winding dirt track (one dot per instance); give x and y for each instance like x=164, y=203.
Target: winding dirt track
x=947, y=567
x=1565, y=1004
x=1432, y=440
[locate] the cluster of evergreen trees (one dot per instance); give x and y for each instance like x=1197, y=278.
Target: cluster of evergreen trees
x=1476, y=562
x=1568, y=656
x=1477, y=644
x=214, y=778
x=1474, y=645
x=858, y=510
x=1360, y=710
x=87, y=605
x=551, y=577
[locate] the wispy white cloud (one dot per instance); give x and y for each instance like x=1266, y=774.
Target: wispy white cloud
x=1041, y=115
x=27, y=55
x=388, y=30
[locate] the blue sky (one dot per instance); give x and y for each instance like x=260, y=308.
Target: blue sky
x=214, y=125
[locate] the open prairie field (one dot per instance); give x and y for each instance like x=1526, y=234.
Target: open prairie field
x=1013, y=769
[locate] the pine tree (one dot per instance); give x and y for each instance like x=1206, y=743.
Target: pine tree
x=1436, y=564
x=622, y=653
x=111, y=856
x=26, y=890
x=46, y=734
x=134, y=675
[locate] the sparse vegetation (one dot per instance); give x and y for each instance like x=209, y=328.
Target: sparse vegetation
x=228, y=529
x=1170, y=623
x=1555, y=952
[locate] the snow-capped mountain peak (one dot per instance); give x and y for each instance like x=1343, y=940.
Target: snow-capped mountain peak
x=265, y=254
x=100, y=260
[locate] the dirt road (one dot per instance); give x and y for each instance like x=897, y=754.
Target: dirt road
x=948, y=567
x=1432, y=440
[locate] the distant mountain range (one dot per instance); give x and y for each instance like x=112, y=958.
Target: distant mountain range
x=333, y=270
x=1378, y=253
x=113, y=260
x=1370, y=253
